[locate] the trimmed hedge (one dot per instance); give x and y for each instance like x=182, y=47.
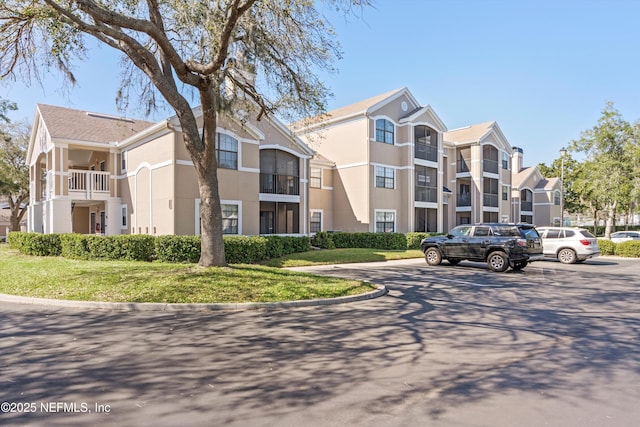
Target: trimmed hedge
x=630, y=248
x=607, y=247
x=389, y=241
x=120, y=247
x=178, y=248
x=245, y=249
x=323, y=240
x=35, y=243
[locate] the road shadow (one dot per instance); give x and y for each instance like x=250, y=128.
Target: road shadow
x=431, y=345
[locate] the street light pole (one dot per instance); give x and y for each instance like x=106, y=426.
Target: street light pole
x=563, y=153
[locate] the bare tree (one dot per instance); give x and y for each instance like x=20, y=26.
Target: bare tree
x=214, y=48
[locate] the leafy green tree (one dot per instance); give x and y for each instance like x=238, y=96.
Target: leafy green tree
x=255, y=56
x=14, y=172
x=609, y=146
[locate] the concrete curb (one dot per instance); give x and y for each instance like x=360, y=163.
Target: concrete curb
x=149, y=306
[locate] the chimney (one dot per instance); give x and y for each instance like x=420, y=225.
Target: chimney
x=516, y=159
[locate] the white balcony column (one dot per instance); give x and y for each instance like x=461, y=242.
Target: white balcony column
x=112, y=208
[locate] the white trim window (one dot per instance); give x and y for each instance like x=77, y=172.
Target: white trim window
x=315, y=221
x=385, y=131
x=556, y=198
x=123, y=162
x=315, y=178
x=124, y=209
x=385, y=221
x=230, y=218
x=231, y=214
x=385, y=177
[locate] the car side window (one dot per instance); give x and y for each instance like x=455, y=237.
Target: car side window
x=482, y=231
x=569, y=233
x=461, y=231
x=552, y=234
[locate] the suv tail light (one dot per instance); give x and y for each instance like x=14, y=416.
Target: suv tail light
x=522, y=242
x=585, y=242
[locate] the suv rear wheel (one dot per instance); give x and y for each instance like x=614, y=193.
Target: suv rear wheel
x=433, y=256
x=498, y=261
x=567, y=256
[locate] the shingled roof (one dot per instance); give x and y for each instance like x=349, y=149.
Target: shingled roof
x=469, y=133
x=67, y=123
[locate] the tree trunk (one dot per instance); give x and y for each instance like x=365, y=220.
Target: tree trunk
x=203, y=154
x=611, y=213
x=16, y=213
x=212, y=242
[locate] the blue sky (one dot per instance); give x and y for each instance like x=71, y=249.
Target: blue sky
x=542, y=69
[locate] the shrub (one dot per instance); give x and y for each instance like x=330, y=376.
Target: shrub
x=120, y=247
x=245, y=249
x=390, y=241
x=630, y=248
x=323, y=240
x=35, y=243
x=75, y=246
x=414, y=239
x=177, y=248
x=607, y=247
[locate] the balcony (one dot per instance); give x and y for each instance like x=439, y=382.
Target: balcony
x=89, y=185
x=279, y=184
x=426, y=194
x=463, y=199
x=490, y=200
x=490, y=166
x=426, y=152
x=463, y=166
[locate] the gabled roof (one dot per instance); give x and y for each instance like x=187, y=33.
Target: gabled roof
x=473, y=133
x=362, y=106
x=358, y=108
x=67, y=123
x=547, y=184
x=518, y=178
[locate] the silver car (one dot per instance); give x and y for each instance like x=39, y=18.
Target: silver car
x=568, y=245
x=623, y=236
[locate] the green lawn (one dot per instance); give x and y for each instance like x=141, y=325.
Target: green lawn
x=130, y=281
x=341, y=256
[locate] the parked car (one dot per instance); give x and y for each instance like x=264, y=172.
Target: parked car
x=568, y=245
x=499, y=245
x=623, y=236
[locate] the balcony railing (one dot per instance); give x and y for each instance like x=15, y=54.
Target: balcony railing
x=463, y=166
x=526, y=206
x=272, y=183
x=490, y=166
x=490, y=200
x=426, y=194
x=426, y=152
x=92, y=181
x=463, y=199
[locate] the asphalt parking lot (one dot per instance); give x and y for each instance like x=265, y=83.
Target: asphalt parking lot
x=553, y=344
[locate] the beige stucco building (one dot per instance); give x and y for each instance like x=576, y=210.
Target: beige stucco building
x=93, y=173
x=385, y=164
x=382, y=165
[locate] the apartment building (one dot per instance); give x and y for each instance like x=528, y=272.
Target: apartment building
x=94, y=173
x=480, y=174
x=380, y=164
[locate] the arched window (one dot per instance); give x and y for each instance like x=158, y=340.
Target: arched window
x=556, y=198
x=384, y=131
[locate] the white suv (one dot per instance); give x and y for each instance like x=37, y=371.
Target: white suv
x=569, y=245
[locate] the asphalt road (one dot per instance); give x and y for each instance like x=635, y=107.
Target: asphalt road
x=553, y=345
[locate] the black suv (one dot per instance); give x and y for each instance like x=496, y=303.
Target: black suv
x=499, y=245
